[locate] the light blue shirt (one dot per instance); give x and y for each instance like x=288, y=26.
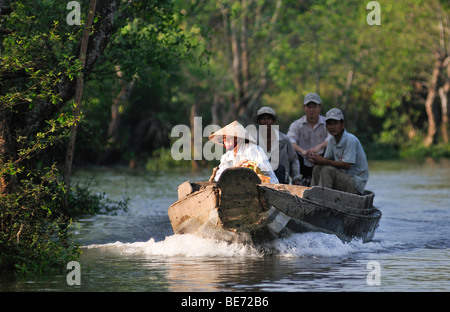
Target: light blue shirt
x=247, y=151
x=350, y=150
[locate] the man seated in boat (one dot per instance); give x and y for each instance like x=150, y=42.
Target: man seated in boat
x=277, y=146
x=241, y=151
x=344, y=165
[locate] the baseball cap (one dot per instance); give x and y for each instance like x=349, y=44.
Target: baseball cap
x=264, y=110
x=335, y=114
x=312, y=97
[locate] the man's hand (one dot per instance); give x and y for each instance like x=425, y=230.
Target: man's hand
x=298, y=149
x=315, y=158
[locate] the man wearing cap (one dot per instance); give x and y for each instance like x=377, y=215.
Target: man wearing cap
x=277, y=147
x=344, y=165
x=309, y=135
x=241, y=147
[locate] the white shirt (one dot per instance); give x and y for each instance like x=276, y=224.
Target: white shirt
x=247, y=151
x=301, y=133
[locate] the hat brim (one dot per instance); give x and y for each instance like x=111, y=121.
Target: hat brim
x=256, y=117
x=234, y=129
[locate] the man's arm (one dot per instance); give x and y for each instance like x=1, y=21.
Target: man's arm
x=319, y=147
x=293, y=134
x=317, y=159
x=299, y=149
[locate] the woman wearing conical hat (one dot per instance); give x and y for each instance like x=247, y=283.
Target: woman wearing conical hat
x=241, y=149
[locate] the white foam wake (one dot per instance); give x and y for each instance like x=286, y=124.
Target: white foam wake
x=297, y=245
x=186, y=245
x=318, y=244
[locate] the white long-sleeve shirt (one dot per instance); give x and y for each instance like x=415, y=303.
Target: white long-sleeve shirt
x=247, y=151
x=301, y=133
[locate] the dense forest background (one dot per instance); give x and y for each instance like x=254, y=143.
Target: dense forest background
x=163, y=63
x=391, y=80
x=103, y=82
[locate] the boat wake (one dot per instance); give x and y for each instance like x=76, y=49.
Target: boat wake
x=317, y=244
x=191, y=246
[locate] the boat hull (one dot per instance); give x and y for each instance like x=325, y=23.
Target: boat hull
x=239, y=208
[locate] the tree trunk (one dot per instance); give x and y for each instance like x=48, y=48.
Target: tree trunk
x=236, y=68
x=77, y=104
x=347, y=88
x=248, y=85
x=443, y=94
x=429, y=102
x=444, y=90
x=244, y=50
x=122, y=97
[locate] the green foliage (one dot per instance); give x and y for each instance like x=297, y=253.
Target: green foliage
x=145, y=52
x=380, y=151
x=371, y=72
x=33, y=233
x=83, y=202
x=148, y=40
x=39, y=59
x=415, y=149
x=36, y=58
x=162, y=160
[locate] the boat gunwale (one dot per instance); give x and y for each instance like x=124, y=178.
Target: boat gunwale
x=371, y=212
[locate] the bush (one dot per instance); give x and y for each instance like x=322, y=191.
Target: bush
x=35, y=235
x=380, y=151
x=83, y=202
x=33, y=228
x=418, y=150
x=162, y=160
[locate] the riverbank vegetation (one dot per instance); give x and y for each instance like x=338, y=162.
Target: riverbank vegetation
x=108, y=87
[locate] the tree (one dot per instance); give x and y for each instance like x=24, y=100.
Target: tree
x=77, y=102
x=240, y=38
x=44, y=63
x=412, y=49
x=147, y=46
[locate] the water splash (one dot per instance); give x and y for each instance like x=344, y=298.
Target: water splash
x=186, y=245
x=316, y=244
x=297, y=245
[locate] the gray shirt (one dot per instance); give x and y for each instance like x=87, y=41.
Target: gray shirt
x=350, y=150
x=281, y=153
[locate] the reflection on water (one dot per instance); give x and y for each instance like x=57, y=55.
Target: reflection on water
x=137, y=250
x=303, y=262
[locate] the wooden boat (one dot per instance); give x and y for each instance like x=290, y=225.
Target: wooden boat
x=239, y=208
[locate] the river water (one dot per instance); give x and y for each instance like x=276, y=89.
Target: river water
x=137, y=250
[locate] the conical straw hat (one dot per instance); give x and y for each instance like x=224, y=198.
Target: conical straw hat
x=233, y=129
